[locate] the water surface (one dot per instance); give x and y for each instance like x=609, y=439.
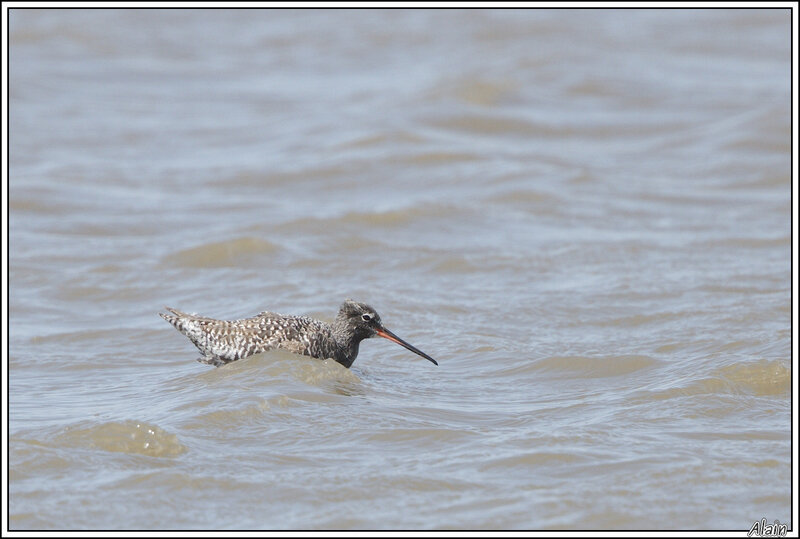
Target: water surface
x=584, y=216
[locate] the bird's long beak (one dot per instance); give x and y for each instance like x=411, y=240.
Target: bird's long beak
x=386, y=334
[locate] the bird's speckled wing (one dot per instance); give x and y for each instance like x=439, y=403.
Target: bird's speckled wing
x=223, y=341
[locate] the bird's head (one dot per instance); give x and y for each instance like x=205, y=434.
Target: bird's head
x=364, y=322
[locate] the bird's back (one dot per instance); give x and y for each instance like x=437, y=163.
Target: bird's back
x=223, y=341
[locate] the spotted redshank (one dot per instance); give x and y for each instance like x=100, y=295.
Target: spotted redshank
x=223, y=341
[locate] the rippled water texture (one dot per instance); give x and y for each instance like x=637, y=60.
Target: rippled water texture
x=584, y=216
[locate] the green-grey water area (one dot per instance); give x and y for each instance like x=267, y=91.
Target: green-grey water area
x=583, y=215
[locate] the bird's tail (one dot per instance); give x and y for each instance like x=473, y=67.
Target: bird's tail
x=174, y=317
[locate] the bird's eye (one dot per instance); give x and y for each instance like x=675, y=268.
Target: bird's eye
x=366, y=317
